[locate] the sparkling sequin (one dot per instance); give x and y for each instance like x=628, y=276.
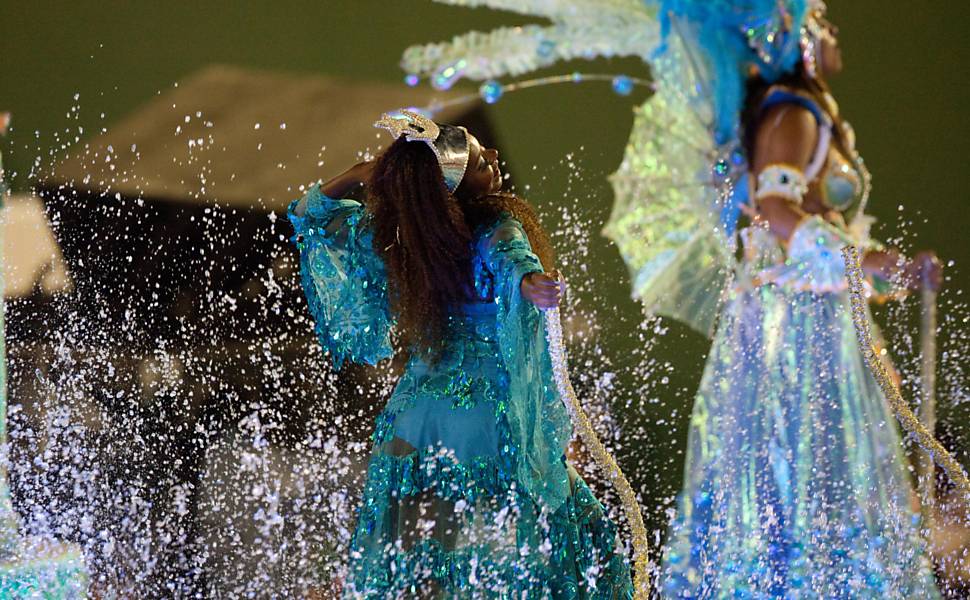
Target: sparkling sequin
x=466, y=489
x=789, y=486
x=352, y=312
x=604, y=460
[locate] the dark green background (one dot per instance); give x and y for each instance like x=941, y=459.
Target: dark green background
x=905, y=90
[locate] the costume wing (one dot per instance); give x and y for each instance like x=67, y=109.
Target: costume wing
x=578, y=29
x=676, y=195
x=676, y=191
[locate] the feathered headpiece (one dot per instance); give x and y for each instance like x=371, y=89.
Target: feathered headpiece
x=738, y=37
x=448, y=142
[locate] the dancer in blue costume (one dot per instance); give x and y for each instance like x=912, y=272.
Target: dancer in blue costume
x=467, y=492
x=796, y=485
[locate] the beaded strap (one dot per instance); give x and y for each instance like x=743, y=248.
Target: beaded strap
x=905, y=416
x=604, y=460
x=782, y=180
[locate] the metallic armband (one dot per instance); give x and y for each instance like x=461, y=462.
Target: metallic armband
x=782, y=180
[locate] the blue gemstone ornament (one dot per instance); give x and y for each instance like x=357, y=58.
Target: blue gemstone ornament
x=721, y=168
x=622, y=85
x=491, y=91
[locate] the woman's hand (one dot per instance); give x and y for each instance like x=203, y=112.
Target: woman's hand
x=923, y=272
x=543, y=289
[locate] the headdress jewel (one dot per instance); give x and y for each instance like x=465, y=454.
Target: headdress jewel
x=449, y=143
x=811, y=34
x=789, y=32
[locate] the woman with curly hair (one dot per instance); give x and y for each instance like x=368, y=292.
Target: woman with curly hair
x=468, y=493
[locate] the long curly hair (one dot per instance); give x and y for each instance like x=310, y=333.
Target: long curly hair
x=425, y=236
x=482, y=212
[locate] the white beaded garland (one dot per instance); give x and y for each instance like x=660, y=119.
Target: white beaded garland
x=905, y=416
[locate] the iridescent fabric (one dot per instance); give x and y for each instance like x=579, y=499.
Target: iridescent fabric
x=467, y=492
x=43, y=569
x=795, y=483
x=683, y=183
x=678, y=192
x=343, y=279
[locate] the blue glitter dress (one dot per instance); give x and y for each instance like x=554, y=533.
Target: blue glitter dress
x=467, y=492
x=795, y=483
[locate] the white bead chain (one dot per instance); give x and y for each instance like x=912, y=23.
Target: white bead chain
x=905, y=416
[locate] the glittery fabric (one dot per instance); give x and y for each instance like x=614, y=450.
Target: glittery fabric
x=467, y=491
x=813, y=261
x=795, y=481
x=43, y=569
x=665, y=216
x=343, y=279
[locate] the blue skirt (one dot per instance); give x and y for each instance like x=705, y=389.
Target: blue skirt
x=795, y=484
x=442, y=514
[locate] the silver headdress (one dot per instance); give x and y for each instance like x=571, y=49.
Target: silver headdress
x=449, y=143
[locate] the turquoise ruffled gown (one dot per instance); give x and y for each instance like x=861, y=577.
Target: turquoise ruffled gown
x=795, y=485
x=468, y=494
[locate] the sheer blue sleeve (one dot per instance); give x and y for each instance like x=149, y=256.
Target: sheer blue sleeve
x=343, y=278
x=507, y=251
x=537, y=417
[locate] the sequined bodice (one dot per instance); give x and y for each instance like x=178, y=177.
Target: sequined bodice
x=469, y=366
x=845, y=179
x=835, y=169
x=841, y=182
